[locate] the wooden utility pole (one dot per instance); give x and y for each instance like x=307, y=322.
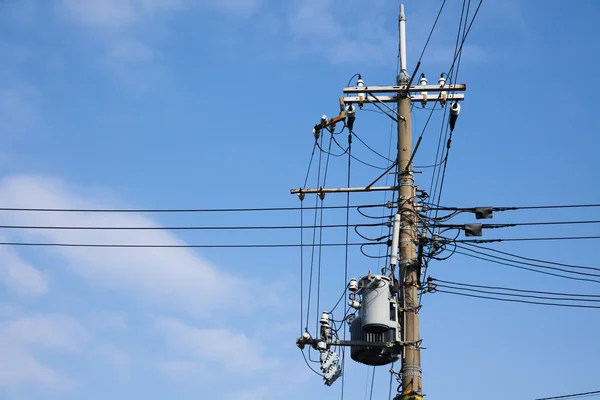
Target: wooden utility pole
x=400, y=337
x=409, y=279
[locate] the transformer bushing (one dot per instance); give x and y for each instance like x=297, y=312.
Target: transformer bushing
x=377, y=322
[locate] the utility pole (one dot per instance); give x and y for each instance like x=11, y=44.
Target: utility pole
x=409, y=280
x=384, y=326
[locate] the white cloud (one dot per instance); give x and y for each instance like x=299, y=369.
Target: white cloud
x=243, y=7
x=23, y=336
x=18, y=107
x=232, y=350
x=331, y=29
x=114, y=15
x=175, y=277
x=19, y=276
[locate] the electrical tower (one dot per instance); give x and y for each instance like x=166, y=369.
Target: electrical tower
x=385, y=327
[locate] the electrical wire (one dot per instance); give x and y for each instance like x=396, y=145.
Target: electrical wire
x=357, y=159
x=369, y=147
x=372, y=384
x=431, y=32
x=528, y=239
x=514, y=208
x=527, y=268
x=170, y=228
x=517, y=290
x=310, y=162
x=179, y=246
x=532, y=259
x=566, y=396
x=531, y=296
x=346, y=256
x=520, y=301
x=164, y=210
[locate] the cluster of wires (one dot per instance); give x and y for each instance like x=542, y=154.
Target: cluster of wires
x=515, y=295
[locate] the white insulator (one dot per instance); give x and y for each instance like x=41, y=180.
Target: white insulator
x=323, y=119
x=395, y=240
x=442, y=80
x=455, y=109
x=350, y=110
x=361, y=96
x=354, y=304
x=423, y=81
x=324, y=319
x=321, y=345
x=353, y=286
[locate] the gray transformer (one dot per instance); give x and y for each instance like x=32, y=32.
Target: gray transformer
x=377, y=322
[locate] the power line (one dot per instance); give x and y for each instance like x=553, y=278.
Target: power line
x=519, y=301
x=537, y=264
x=178, y=246
x=431, y=32
x=566, y=396
x=514, y=208
x=515, y=290
x=531, y=296
x=370, y=148
x=532, y=259
x=514, y=224
x=528, y=269
x=167, y=210
x=527, y=239
x=174, y=228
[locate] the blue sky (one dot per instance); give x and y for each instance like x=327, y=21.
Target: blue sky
x=183, y=104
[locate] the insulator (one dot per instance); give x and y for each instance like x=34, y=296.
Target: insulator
x=361, y=96
x=354, y=304
x=454, y=111
x=443, y=94
x=423, y=81
x=353, y=286
x=324, y=319
x=351, y=117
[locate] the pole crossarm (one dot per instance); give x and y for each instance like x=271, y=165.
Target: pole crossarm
x=414, y=98
x=402, y=88
x=343, y=190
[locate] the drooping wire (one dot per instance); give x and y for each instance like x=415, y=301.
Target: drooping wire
x=536, y=264
x=526, y=268
x=301, y=267
x=518, y=295
x=346, y=255
x=509, y=289
x=357, y=159
x=532, y=259
x=321, y=233
x=520, y=301
x=369, y=147
x=314, y=238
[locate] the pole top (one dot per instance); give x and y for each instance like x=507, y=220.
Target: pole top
x=402, y=16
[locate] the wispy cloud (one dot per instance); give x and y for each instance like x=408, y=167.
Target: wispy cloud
x=126, y=34
x=331, y=29
x=174, y=277
x=22, y=337
x=116, y=15
x=233, y=350
x=18, y=107
x=19, y=276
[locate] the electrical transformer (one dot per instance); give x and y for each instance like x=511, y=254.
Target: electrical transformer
x=377, y=320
